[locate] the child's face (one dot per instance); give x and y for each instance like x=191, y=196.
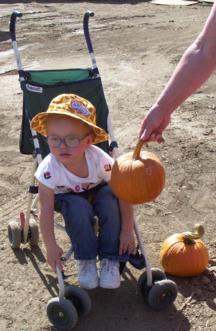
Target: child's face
x=68, y=138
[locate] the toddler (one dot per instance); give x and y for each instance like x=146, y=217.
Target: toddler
x=74, y=180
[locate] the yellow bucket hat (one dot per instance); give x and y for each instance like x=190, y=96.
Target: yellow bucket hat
x=73, y=106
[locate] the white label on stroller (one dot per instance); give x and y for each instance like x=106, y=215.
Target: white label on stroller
x=33, y=88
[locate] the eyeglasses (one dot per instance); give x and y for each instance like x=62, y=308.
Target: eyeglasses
x=69, y=141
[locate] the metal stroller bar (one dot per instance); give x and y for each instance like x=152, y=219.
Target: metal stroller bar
x=13, y=18
x=142, y=249
x=29, y=206
x=86, y=30
x=60, y=283
x=88, y=40
x=87, y=15
x=12, y=27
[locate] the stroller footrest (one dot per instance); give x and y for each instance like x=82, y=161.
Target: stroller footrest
x=137, y=261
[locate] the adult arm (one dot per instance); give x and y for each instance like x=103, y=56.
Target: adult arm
x=46, y=219
x=194, y=68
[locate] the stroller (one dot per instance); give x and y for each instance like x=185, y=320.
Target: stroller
x=39, y=88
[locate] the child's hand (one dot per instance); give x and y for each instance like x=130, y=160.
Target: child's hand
x=127, y=242
x=54, y=254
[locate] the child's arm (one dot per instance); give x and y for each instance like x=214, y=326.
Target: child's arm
x=127, y=242
x=46, y=218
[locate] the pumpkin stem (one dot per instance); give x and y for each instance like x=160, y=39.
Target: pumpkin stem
x=188, y=238
x=198, y=231
x=136, y=153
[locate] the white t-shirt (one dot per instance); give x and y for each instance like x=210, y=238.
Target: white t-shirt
x=53, y=174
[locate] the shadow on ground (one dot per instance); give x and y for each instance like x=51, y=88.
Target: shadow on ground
x=199, y=289
x=124, y=308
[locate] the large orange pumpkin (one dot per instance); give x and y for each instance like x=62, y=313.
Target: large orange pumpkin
x=184, y=254
x=137, y=177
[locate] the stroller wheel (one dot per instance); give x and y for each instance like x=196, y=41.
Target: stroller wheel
x=79, y=298
x=157, y=274
x=62, y=313
x=34, y=233
x=162, y=294
x=14, y=234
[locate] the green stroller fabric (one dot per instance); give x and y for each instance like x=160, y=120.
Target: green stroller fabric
x=40, y=87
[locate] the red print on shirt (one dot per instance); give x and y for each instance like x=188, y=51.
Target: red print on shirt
x=85, y=186
x=77, y=188
x=107, y=167
x=47, y=175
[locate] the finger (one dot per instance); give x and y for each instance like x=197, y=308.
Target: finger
x=159, y=138
x=145, y=134
x=151, y=138
x=123, y=249
x=142, y=127
x=59, y=263
x=53, y=266
x=120, y=249
x=131, y=249
x=156, y=137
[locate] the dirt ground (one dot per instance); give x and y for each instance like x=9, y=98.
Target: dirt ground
x=137, y=45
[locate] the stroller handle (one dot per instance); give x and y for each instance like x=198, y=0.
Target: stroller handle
x=86, y=29
x=13, y=18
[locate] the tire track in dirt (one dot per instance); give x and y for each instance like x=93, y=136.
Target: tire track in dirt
x=9, y=208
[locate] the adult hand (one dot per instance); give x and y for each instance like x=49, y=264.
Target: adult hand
x=154, y=124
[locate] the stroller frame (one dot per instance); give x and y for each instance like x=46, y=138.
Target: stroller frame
x=151, y=276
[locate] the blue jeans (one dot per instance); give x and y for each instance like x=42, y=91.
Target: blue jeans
x=79, y=212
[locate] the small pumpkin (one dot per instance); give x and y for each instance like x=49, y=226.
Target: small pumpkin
x=137, y=177
x=185, y=254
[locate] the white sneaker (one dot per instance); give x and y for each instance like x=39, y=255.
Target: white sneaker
x=87, y=273
x=109, y=274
